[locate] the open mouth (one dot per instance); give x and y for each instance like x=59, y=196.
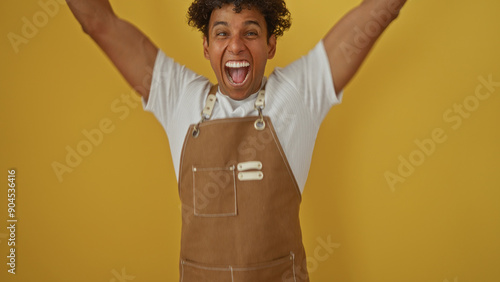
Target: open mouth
x=237, y=72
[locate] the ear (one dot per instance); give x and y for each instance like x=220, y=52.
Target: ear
x=205, y=48
x=271, y=47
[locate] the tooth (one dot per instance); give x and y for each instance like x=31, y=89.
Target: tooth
x=237, y=64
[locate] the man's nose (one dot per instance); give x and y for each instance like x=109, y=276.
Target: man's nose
x=236, y=45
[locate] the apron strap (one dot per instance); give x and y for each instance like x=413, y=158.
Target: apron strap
x=209, y=105
x=206, y=114
x=260, y=104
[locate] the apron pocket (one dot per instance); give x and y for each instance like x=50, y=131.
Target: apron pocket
x=214, y=192
x=278, y=270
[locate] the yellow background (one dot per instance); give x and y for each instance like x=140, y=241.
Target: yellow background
x=119, y=209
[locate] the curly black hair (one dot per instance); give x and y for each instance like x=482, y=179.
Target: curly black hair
x=275, y=13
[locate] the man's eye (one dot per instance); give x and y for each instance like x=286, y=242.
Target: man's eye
x=252, y=33
x=221, y=33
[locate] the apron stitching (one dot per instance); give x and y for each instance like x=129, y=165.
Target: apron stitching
x=194, y=191
x=195, y=169
x=182, y=159
x=273, y=264
x=182, y=273
x=293, y=266
x=285, y=162
x=211, y=168
x=228, y=268
x=235, y=195
x=238, y=269
x=216, y=214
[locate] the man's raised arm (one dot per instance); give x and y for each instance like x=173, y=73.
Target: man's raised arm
x=127, y=47
x=349, y=41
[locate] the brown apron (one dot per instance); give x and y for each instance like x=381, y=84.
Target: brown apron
x=240, y=203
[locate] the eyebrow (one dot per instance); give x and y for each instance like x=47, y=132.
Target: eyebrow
x=252, y=23
x=247, y=23
x=220, y=23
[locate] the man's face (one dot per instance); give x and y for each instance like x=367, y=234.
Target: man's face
x=238, y=50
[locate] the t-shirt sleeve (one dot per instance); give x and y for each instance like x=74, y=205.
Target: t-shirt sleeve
x=312, y=77
x=170, y=81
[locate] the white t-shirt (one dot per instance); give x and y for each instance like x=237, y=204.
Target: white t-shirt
x=298, y=97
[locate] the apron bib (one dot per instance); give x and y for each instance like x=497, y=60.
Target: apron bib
x=240, y=203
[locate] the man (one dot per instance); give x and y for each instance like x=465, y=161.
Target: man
x=242, y=165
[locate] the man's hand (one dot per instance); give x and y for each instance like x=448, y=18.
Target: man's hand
x=351, y=39
x=127, y=47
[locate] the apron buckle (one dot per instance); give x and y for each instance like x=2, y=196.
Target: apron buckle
x=196, y=131
x=260, y=124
